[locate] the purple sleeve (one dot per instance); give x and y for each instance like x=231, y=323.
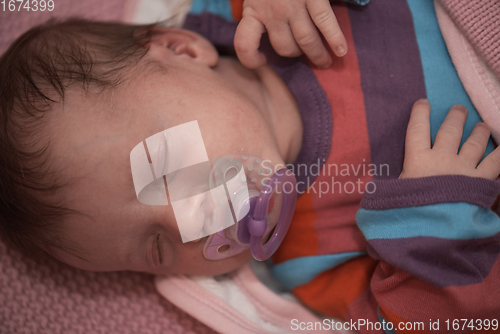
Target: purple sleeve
x=398, y=193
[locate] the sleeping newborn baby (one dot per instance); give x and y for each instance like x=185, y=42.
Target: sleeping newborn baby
x=98, y=89
x=78, y=98
x=89, y=92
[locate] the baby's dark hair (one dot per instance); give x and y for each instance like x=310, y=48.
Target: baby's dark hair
x=36, y=73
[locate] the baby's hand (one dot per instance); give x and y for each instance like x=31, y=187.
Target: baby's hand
x=443, y=158
x=291, y=25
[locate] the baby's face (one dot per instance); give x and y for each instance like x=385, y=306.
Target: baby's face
x=91, y=139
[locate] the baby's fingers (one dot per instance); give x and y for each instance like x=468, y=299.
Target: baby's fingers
x=282, y=39
x=322, y=14
x=308, y=39
x=247, y=42
x=474, y=147
x=418, y=134
x=489, y=168
x=450, y=132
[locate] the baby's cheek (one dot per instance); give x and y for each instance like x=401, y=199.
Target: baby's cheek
x=190, y=217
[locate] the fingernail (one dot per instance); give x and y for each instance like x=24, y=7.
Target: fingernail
x=327, y=65
x=422, y=101
x=340, y=51
x=484, y=125
x=460, y=107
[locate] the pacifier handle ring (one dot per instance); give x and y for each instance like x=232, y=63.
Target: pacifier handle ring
x=258, y=224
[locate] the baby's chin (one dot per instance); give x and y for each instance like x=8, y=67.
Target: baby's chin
x=204, y=267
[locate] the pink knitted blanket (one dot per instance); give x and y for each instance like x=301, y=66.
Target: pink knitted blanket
x=479, y=20
x=48, y=297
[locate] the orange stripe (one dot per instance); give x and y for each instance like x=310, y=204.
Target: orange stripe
x=334, y=290
x=301, y=238
x=237, y=8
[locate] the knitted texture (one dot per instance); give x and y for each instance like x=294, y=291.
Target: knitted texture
x=402, y=193
x=48, y=297
x=480, y=22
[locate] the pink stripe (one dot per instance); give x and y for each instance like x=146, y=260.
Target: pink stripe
x=415, y=300
x=336, y=209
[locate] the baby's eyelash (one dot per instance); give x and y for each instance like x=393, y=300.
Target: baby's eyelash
x=158, y=245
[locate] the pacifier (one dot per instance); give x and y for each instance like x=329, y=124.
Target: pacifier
x=263, y=204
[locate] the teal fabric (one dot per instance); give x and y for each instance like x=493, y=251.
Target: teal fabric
x=218, y=7
x=458, y=221
x=443, y=85
x=302, y=270
x=358, y=2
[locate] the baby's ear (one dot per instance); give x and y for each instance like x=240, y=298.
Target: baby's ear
x=167, y=42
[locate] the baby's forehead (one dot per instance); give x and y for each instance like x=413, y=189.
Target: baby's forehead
x=84, y=135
